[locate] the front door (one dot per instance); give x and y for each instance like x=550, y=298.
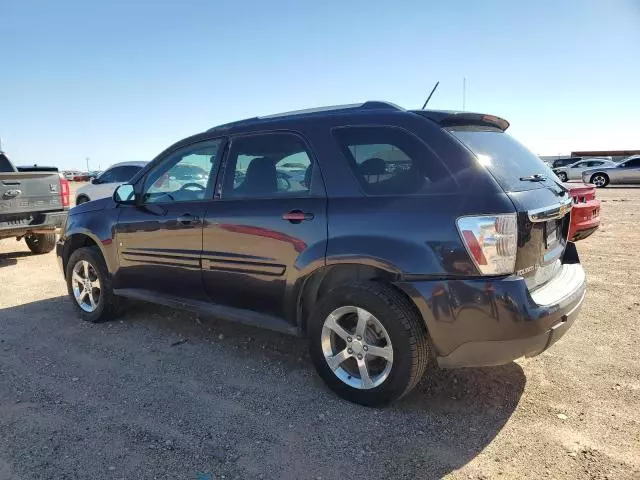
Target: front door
x=160, y=239
x=631, y=171
x=269, y=226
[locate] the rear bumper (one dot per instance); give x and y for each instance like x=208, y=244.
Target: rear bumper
x=585, y=219
x=39, y=222
x=483, y=322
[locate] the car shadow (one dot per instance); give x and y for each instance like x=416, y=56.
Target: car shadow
x=224, y=380
x=10, y=258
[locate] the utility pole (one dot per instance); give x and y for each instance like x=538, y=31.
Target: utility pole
x=464, y=92
x=87, y=163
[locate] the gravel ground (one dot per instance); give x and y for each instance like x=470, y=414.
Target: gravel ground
x=164, y=394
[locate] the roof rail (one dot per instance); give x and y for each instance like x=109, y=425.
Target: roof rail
x=368, y=105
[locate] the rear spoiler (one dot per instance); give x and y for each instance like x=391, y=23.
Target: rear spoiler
x=454, y=119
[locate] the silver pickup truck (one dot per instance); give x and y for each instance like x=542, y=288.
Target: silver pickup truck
x=33, y=203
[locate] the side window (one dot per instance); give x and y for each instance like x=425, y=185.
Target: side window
x=124, y=174
x=267, y=165
x=389, y=160
x=635, y=163
x=581, y=165
x=185, y=175
x=109, y=176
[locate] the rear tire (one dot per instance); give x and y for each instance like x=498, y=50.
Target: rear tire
x=402, y=351
x=562, y=176
x=98, y=287
x=600, y=180
x=40, y=243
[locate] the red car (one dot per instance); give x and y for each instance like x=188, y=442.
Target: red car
x=585, y=215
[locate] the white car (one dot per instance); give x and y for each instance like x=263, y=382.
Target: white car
x=574, y=171
x=71, y=174
x=104, y=185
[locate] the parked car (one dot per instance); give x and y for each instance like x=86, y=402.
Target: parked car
x=623, y=172
x=70, y=174
x=103, y=185
x=574, y=171
x=33, y=203
x=563, y=162
x=452, y=249
x=81, y=177
x=585, y=214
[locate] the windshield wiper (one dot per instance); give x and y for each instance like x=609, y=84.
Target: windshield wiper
x=534, y=178
x=537, y=177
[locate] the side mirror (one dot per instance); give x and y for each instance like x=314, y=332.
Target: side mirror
x=125, y=195
x=95, y=181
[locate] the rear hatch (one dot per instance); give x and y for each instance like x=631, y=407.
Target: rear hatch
x=543, y=205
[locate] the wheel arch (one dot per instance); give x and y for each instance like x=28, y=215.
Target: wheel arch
x=82, y=195
x=79, y=240
x=327, y=277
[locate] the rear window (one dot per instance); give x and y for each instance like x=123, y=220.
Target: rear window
x=506, y=158
x=391, y=161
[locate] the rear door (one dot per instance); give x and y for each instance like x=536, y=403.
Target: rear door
x=160, y=240
x=269, y=225
x=542, y=203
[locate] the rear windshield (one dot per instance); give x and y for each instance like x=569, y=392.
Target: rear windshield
x=506, y=158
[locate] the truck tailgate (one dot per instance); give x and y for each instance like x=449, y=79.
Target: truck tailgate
x=27, y=192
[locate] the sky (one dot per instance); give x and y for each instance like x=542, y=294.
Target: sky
x=122, y=80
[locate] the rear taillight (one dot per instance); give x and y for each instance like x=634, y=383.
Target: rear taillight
x=492, y=242
x=64, y=191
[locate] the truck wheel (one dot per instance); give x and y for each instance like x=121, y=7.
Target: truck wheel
x=89, y=286
x=41, y=242
x=368, y=343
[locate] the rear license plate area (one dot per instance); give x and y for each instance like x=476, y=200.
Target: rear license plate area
x=551, y=234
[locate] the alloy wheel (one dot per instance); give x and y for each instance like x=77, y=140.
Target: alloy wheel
x=599, y=181
x=86, y=286
x=356, y=347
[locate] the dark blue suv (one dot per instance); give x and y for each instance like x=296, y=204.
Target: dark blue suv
x=391, y=238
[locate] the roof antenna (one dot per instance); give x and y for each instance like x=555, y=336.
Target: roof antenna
x=429, y=97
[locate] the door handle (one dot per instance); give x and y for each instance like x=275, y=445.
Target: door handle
x=297, y=216
x=188, y=219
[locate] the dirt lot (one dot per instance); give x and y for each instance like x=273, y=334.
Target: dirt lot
x=163, y=394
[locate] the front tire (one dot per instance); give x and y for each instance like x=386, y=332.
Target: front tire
x=89, y=286
x=600, y=180
x=368, y=343
x=40, y=243
x=563, y=177
x=82, y=199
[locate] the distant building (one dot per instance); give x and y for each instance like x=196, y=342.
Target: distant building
x=615, y=155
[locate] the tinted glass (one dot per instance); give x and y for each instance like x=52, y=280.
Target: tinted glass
x=186, y=175
x=390, y=161
x=5, y=164
x=124, y=174
x=506, y=159
x=632, y=163
x=108, y=176
x=268, y=166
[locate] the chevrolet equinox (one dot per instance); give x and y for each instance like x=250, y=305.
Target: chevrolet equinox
x=391, y=238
